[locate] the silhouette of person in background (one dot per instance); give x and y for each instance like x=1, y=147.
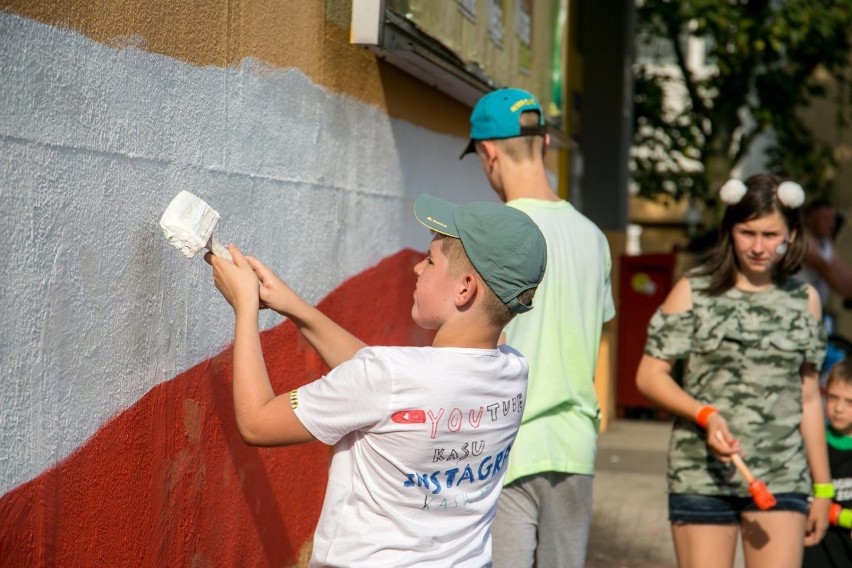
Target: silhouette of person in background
x=823, y=268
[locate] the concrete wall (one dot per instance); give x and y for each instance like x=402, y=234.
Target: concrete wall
x=115, y=417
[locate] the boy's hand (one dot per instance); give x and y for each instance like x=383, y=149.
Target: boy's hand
x=274, y=293
x=235, y=280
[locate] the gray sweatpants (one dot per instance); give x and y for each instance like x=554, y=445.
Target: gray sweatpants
x=543, y=520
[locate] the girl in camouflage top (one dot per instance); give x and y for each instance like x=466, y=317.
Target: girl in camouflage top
x=752, y=343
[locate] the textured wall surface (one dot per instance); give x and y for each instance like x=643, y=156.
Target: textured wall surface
x=115, y=409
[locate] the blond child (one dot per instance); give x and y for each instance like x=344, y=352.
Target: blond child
x=835, y=549
x=421, y=435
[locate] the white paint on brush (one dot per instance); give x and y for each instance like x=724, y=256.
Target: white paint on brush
x=189, y=223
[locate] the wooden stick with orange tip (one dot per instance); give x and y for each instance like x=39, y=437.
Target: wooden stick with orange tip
x=762, y=496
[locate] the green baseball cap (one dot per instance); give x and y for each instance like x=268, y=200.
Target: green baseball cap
x=497, y=115
x=504, y=245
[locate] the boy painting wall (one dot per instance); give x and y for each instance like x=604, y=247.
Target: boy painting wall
x=421, y=435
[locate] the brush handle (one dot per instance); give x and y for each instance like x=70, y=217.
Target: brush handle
x=761, y=495
x=742, y=467
x=218, y=249
x=738, y=461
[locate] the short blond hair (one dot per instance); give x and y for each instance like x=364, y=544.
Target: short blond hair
x=522, y=148
x=495, y=310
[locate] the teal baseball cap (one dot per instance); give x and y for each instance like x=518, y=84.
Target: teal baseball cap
x=497, y=115
x=503, y=244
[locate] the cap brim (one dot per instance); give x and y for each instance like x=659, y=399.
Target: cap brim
x=436, y=214
x=469, y=149
x=538, y=129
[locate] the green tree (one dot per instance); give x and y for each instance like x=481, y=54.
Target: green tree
x=761, y=59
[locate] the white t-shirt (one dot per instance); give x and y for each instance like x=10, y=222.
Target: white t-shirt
x=421, y=438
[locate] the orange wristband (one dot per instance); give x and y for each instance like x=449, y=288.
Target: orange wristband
x=704, y=414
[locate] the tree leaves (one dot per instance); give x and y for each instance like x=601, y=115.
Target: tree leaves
x=695, y=118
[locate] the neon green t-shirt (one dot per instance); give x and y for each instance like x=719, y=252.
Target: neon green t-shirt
x=560, y=338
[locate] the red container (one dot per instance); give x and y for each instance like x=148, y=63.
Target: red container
x=644, y=282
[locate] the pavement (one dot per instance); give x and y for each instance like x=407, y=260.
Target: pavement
x=630, y=527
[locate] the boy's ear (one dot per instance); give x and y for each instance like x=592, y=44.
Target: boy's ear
x=466, y=292
x=489, y=149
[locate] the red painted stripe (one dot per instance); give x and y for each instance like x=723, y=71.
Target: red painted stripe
x=169, y=482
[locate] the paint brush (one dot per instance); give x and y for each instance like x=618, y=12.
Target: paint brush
x=189, y=223
x=760, y=494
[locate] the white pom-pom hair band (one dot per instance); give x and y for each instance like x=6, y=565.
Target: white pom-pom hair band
x=789, y=193
x=732, y=191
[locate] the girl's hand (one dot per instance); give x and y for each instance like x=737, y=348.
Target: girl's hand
x=235, y=280
x=817, y=521
x=720, y=439
x=274, y=293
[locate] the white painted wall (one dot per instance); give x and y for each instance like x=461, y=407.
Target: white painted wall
x=94, y=142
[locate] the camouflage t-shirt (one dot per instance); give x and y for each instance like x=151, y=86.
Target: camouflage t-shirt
x=743, y=354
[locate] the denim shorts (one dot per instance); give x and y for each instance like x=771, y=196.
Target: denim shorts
x=692, y=509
